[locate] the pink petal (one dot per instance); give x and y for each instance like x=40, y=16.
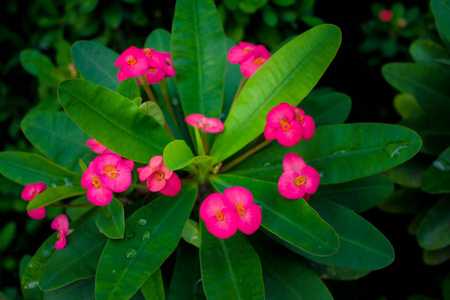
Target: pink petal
x=306, y=196
x=155, y=185
x=139, y=68
x=293, y=162
x=283, y=112
x=37, y=214
x=248, y=68
x=61, y=223
x=251, y=221
x=238, y=195
x=154, y=75
x=226, y=228
x=292, y=136
x=261, y=51
x=155, y=161
x=168, y=65
x=33, y=189
x=194, y=119
x=270, y=133
x=237, y=55
x=212, y=204
x=213, y=125
x=104, y=160
x=287, y=187
x=122, y=75
x=86, y=179
x=144, y=172
x=99, y=197
x=123, y=58
x=172, y=187
x=117, y=184
x=95, y=146
x=312, y=179
x=61, y=242
x=308, y=127
x=128, y=163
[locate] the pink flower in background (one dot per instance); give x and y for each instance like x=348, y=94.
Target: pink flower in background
x=249, y=213
x=97, y=193
x=219, y=217
x=95, y=146
x=133, y=63
x=114, y=175
x=282, y=125
x=298, y=178
x=168, y=65
x=61, y=223
x=211, y=125
x=31, y=191
x=306, y=123
x=255, y=61
x=239, y=53
x=159, y=178
x=386, y=15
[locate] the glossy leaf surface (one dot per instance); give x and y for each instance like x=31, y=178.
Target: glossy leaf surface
x=178, y=155
x=437, y=177
x=434, y=229
x=51, y=195
x=111, y=220
x=328, y=108
x=191, y=233
x=153, y=287
x=129, y=88
x=427, y=52
x=441, y=10
x=82, y=289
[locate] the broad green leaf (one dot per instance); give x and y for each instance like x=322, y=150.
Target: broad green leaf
x=110, y=221
x=434, y=230
x=78, y=260
x=63, y=53
x=137, y=101
x=96, y=63
x=340, y=153
x=286, y=275
x=158, y=39
x=233, y=78
x=26, y=168
x=406, y=106
x=199, y=142
x=437, y=177
x=410, y=173
x=51, y=195
x=153, y=287
x=328, y=108
x=362, y=246
x=435, y=135
x=441, y=10
x=82, y=289
x=153, y=110
x=293, y=221
x=427, y=52
x=436, y=257
x=76, y=212
x=178, y=155
x=129, y=88
x=337, y=273
x=198, y=51
x=37, y=64
x=403, y=201
x=427, y=84
x=191, y=233
x=281, y=79
x=186, y=281
x=231, y=268
x=151, y=235
x=119, y=124
x=358, y=195
x=58, y=137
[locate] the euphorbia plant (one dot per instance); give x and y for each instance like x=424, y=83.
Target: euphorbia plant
x=229, y=178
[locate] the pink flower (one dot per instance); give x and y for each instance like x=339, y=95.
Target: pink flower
x=298, y=179
x=255, y=61
x=31, y=191
x=386, y=15
x=211, y=125
x=97, y=193
x=306, y=123
x=168, y=66
x=282, y=125
x=133, y=63
x=95, y=146
x=114, y=175
x=239, y=53
x=219, y=218
x=249, y=213
x=159, y=178
x=61, y=223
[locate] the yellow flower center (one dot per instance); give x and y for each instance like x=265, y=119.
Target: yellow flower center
x=258, y=61
x=148, y=52
x=246, y=49
x=110, y=171
x=220, y=216
x=131, y=61
x=241, y=209
x=160, y=176
x=285, y=126
x=300, y=118
x=96, y=182
x=299, y=181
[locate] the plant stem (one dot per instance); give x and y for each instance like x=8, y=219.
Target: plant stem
x=245, y=155
x=162, y=85
x=147, y=88
x=238, y=92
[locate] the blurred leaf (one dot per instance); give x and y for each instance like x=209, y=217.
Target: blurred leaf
x=178, y=155
x=37, y=64
x=152, y=234
x=113, y=15
x=434, y=230
x=76, y=212
x=337, y=273
x=233, y=78
x=51, y=195
x=7, y=234
x=402, y=201
x=437, y=177
x=159, y=40
x=153, y=287
x=191, y=233
x=129, y=88
x=229, y=267
x=440, y=9
x=436, y=257
x=119, y=124
x=250, y=6
x=59, y=138
x=269, y=16
x=406, y=106
x=110, y=221
x=427, y=52
x=153, y=110
x=63, y=53
x=96, y=63
x=82, y=289
x=408, y=174
x=280, y=79
x=284, y=2
x=312, y=20
x=446, y=287
x=328, y=108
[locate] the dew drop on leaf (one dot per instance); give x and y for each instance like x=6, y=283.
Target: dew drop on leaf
x=146, y=235
x=130, y=253
x=142, y=222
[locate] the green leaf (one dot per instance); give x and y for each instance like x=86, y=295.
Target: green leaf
x=119, y=124
x=159, y=40
x=199, y=142
x=96, y=63
x=58, y=137
x=63, y=53
x=436, y=257
x=230, y=267
x=427, y=84
x=358, y=195
x=427, y=52
x=281, y=79
x=250, y=6
x=78, y=260
x=82, y=289
x=269, y=16
x=37, y=64
x=233, y=78
x=111, y=221
x=76, y=212
x=284, y=2
x=178, y=155
x=408, y=174
x=293, y=221
x=152, y=233
x=327, y=109
x=137, y=101
x=338, y=153
x=433, y=231
x=191, y=233
x=198, y=51
x=337, y=273
x=403, y=201
x=437, y=177
x=153, y=110
x=153, y=287
x=129, y=88
x=26, y=168
x=406, y=106
x=441, y=10
x=7, y=234
x=51, y=195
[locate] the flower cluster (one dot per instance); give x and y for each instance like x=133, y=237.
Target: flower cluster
x=386, y=15
x=135, y=62
x=211, y=125
x=61, y=224
x=225, y=213
x=288, y=124
x=28, y=194
x=250, y=57
x=159, y=178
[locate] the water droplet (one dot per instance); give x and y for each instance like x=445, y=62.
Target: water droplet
x=114, y=271
x=339, y=151
x=393, y=149
x=31, y=285
x=130, y=253
x=267, y=164
x=146, y=235
x=175, y=101
x=321, y=174
x=129, y=235
x=441, y=165
x=198, y=281
x=142, y=222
